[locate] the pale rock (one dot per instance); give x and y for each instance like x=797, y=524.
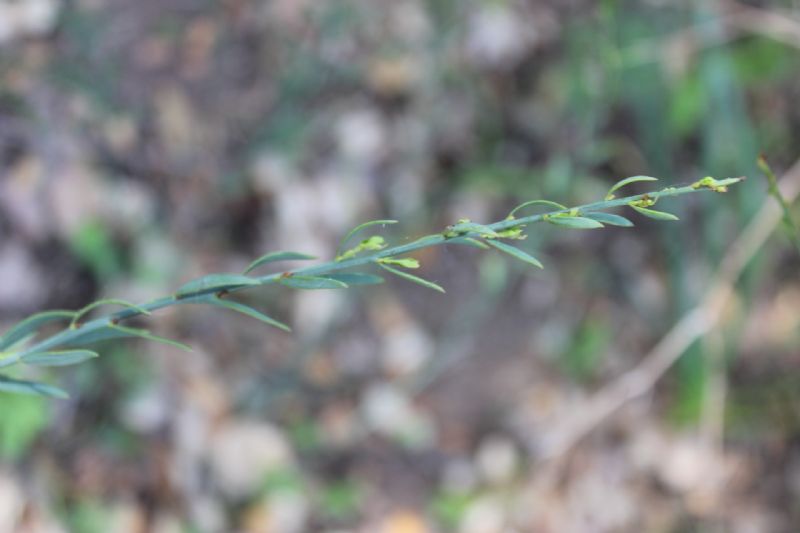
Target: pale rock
x=361, y=134
x=497, y=459
x=12, y=503
x=244, y=452
x=76, y=196
x=484, y=515
x=19, y=18
x=314, y=311
x=281, y=512
x=17, y=264
x=497, y=36
x=388, y=410
x=406, y=349
x=147, y=411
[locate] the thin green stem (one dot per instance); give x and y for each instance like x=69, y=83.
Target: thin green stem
x=71, y=336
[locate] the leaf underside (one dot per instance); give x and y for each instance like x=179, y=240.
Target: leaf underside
x=575, y=222
x=249, y=311
x=214, y=282
x=413, y=278
x=312, y=283
x=516, y=253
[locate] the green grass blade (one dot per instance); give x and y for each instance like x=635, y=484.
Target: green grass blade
x=8, y=384
x=277, y=256
x=516, y=253
x=30, y=324
x=215, y=282
x=59, y=357
x=610, y=219
x=249, y=311
x=652, y=213
x=574, y=222
x=312, y=283
x=411, y=277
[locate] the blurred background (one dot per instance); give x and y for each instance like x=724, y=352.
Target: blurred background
x=146, y=143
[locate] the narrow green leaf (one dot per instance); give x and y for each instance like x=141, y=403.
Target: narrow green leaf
x=80, y=313
x=411, y=277
x=405, y=262
x=610, y=218
x=469, y=241
x=30, y=324
x=312, y=282
x=8, y=384
x=516, y=252
x=358, y=228
x=652, y=213
x=144, y=334
x=247, y=310
x=80, y=337
x=536, y=202
x=59, y=357
x=215, y=282
x=626, y=181
x=574, y=222
x=472, y=227
x=277, y=256
x=356, y=278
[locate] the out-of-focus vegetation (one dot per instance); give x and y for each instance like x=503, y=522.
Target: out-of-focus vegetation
x=146, y=143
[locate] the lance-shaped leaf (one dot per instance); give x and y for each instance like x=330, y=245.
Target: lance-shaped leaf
x=405, y=262
x=356, y=278
x=610, y=219
x=358, y=228
x=247, y=310
x=214, y=282
x=516, y=252
x=58, y=357
x=277, y=256
x=472, y=227
x=312, y=282
x=652, y=213
x=107, y=301
x=30, y=324
x=574, y=222
x=8, y=384
x=411, y=277
x=144, y=334
x=81, y=337
x=469, y=241
x=626, y=181
x=548, y=203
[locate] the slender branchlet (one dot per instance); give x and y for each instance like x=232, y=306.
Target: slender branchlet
x=24, y=345
x=792, y=230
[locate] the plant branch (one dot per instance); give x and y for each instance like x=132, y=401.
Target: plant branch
x=213, y=289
